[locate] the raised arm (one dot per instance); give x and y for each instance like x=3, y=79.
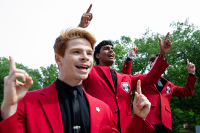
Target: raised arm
x=86, y=18
x=159, y=66
x=191, y=67
x=189, y=87
x=14, y=90
x=126, y=69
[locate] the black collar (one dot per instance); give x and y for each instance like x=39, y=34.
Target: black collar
x=62, y=86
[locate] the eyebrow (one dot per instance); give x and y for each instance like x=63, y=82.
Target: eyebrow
x=90, y=50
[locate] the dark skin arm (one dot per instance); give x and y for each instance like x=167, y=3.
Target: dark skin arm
x=165, y=45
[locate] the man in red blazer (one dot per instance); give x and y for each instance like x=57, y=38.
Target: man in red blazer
x=160, y=94
x=113, y=88
x=47, y=110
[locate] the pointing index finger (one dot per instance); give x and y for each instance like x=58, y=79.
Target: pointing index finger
x=139, y=91
x=12, y=64
x=88, y=10
x=166, y=36
x=188, y=62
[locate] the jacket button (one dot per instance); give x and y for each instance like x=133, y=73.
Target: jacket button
x=116, y=111
x=116, y=97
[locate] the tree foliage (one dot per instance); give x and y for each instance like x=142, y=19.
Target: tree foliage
x=49, y=74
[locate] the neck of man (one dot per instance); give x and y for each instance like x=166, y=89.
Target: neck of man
x=109, y=65
x=69, y=81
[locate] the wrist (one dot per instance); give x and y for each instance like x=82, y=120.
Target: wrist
x=7, y=111
x=130, y=57
x=162, y=56
x=191, y=73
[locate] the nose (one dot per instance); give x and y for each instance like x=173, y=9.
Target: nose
x=84, y=57
x=111, y=50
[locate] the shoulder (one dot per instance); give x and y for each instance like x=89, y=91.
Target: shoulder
x=36, y=94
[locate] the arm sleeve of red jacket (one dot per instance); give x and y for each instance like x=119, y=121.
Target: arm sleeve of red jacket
x=138, y=125
x=15, y=123
x=187, y=90
x=152, y=76
x=126, y=69
x=9, y=125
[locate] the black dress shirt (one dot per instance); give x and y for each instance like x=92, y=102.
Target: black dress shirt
x=65, y=102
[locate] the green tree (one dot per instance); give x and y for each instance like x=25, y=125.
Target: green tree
x=121, y=53
x=49, y=74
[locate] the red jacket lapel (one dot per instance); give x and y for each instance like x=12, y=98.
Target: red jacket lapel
x=94, y=114
x=50, y=104
x=106, y=71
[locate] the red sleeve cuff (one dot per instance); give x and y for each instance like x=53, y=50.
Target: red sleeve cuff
x=138, y=125
x=9, y=125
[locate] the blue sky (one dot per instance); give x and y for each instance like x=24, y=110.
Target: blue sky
x=28, y=28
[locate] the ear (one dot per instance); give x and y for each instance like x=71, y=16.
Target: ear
x=97, y=56
x=58, y=59
x=151, y=63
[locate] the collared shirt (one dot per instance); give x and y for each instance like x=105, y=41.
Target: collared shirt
x=65, y=102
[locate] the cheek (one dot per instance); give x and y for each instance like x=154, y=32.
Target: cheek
x=91, y=60
x=69, y=63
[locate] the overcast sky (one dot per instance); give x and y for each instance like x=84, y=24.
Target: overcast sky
x=28, y=28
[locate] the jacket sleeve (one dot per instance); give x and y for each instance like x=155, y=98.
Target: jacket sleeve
x=152, y=76
x=137, y=125
x=126, y=69
x=187, y=90
x=15, y=123
x=9, y=125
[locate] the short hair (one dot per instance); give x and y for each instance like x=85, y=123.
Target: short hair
x=70, y=34
x=98, y=47
x=153, y=57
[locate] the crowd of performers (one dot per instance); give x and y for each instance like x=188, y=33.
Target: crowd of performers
x=103, y=106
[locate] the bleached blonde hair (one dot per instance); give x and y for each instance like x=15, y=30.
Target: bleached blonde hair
x=70, y=34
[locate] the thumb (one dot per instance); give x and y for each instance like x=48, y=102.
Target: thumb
x=135, y=99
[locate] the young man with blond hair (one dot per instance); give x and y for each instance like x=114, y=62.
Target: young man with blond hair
x=64, y=107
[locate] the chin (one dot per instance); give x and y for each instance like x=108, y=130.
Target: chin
x=82, y=76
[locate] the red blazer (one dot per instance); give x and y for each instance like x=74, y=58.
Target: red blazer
x=39, y=112
x=160, y=101
x=100, y=85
